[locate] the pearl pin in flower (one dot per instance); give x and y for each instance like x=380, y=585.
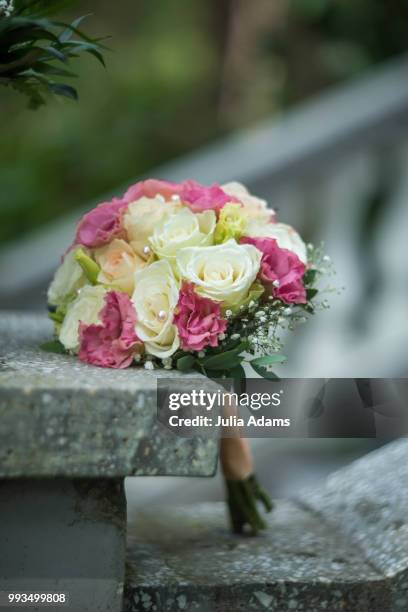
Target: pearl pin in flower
x=162, y=315
x=146, y=250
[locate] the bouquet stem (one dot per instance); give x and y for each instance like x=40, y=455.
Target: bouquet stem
x=242, y=497
x=243, y=489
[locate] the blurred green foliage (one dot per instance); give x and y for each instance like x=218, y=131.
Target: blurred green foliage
x=160, y=95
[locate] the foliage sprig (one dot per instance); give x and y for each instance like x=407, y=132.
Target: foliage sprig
x=36, y=52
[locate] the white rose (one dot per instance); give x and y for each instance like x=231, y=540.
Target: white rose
x=85, y=309
x=183, y=229
x=67, y=279
x=141, y=218
x=285, y=236
x=155, y=299
x=255, y=208
x=223, y=273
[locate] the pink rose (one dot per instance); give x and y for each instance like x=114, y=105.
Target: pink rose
x=150, y=189
x=281, y=270
x=101, y=224
x=114, y=343
x=198, y=320
x=200, y=198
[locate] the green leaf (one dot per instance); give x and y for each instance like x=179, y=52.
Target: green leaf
x=85, y=47
x=63, y=90
x=88, y=265
x=185, y=363
x=56, y=53
x=227, y=345
x=255, y=292
x=56, y=316
x=237, y=372
x=215, y=374
x=309, y=276
x=223, y=361
x=260, y=365
x=53, y=346
x=308, y=308
x=262, y=371
x=267, y=360
x=45, y=68
x=311, y=293
x=227, y=360
x=33, y=74
x=71, y=28
x=239, y=377
x=25, y=34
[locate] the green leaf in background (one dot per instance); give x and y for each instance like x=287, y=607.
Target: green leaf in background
x=71, y=28
x=53, y=346
x=27, y=56
x=63, y=90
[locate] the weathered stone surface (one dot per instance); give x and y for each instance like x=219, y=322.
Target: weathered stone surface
x=60, y=417
x=342, y=546
x=64, y=536
x=368, y=502
x=187, y=559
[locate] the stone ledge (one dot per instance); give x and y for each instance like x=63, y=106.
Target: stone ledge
x=185, y=558
x=60, y=417
x=340, y=547
x=368, y=501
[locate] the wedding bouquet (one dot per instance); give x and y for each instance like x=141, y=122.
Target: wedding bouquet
x=180, y=275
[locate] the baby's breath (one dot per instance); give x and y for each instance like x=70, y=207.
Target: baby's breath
x=261, y=323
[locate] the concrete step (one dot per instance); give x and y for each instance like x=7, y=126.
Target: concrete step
x=342, y=547
x=185, y=558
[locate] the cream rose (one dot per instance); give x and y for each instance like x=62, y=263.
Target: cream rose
x=285, y=236
x=141, y=218
x=182, y=229
x=67, y=279
x=254, y=207
x=223, y=273
x=118, y=263
x=155, y=299
x=85, y=308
